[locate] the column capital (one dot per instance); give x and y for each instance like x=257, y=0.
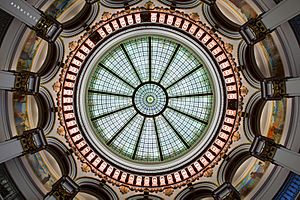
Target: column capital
x=48, y=28
x=263, y=148
x=33, y=140
x=254, y=31
x=65, y=188
x=273, y=89
x=226, y=191
x=27, y=82
x=45, y=26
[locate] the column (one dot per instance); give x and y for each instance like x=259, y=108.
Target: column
x=24, y=81
x=255, y=30
x=226, y=191
x=65, y=188
x=276, y=89
x=266, y=149
x=30, y=141
x=45, y=26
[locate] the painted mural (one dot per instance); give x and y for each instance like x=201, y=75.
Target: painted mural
x=275, y=132
x=41, y=170
x=272, y=56
x=58, y=7
x=277, y=120
x=268, y=45
x=244, y=8
x=20, y=113
x=29, y=50
x=252, y=179
x=32, y=43
x=275, y=66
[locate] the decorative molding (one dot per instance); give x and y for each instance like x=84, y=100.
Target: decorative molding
x=200, y=190
x=85, y=167
x=45, y=103
x=219, y=21
x=233, y=160
x=183, y=4
x=119, y=3
x=96, y=188
x=82, y=20
x=53, y=61
x=63, y=157
x=226, y=192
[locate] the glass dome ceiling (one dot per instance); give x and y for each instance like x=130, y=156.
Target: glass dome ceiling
x=150, y=99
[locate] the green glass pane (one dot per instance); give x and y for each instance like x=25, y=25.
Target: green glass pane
x=150, y=113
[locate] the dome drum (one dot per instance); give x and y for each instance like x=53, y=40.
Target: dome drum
x=220, y=66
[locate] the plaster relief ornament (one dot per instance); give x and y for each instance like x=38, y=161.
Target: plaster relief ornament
x=124, y=189
x=149, y=5
x=61, y=131
x=208, y=172
x=106, y=16
x=56, y=86
x=169, y=191
x=73, y=45
x=195, y=17
x=236, y=136
x=244, y=91
x=85, y=167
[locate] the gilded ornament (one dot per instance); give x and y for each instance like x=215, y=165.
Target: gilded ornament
x=149, y=5
x=56, y=86
x=236, y=136
x=195, y=17
x=228, y=47
x=106, y=16
x=124, y=189
x=85, y=167
x=244, y=91
x=208, y=173
x=61, y=131
x=168, y=191
x=73, y=45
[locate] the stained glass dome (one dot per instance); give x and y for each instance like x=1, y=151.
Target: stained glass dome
x=150, y=99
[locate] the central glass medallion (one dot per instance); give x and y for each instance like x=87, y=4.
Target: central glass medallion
x=150, y=99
